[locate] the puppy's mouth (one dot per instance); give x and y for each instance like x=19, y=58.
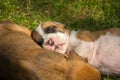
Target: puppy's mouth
x=53, y=44
x=56, y=42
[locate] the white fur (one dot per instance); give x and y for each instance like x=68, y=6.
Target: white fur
x=104, y=53
x=63, y=36
x=40, y=31
x=79, y=46
x=106, y=56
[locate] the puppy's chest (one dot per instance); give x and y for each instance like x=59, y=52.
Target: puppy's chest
x=83, y=48
x=105, y=44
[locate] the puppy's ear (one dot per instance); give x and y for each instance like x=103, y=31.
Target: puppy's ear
x=37, y=38
x=60, y=27
x=50, y=29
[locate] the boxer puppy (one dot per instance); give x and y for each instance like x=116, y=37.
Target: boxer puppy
x=100, y=48
x=52, y=34
x=22, y=59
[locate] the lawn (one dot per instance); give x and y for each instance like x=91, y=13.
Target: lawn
x=75, y=14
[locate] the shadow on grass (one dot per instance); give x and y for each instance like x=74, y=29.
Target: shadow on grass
x=92, y=25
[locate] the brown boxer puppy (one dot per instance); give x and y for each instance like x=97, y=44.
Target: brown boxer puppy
x=100, y=48
x=22, y=59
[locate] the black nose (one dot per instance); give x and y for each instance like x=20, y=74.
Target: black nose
x=50, y=42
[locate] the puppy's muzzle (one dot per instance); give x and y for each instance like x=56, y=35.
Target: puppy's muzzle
x=50, y=42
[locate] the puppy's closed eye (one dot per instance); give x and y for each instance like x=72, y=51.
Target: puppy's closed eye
x=51, y=29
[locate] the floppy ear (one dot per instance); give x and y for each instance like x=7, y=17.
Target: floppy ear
x=60, y=27
x=37, y=38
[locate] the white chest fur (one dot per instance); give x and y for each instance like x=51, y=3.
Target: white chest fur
x=81, y=47
x=107, y=54
x=103, y=53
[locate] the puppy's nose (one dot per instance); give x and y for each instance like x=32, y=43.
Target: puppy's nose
x=50, y=42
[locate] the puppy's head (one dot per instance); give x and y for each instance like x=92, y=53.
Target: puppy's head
x=51, y=36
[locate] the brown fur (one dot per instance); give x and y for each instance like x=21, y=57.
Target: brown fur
x=22, y=59
x=80, y=69
x=35, y=36
x=92, y=36
x=59, y=27
x=10, y=26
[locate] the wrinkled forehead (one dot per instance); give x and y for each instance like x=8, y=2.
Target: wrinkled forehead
x=58, y=26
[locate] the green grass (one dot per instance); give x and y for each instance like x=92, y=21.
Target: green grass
x=75, y=14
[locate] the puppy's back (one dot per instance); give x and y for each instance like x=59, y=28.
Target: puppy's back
x=10, y=26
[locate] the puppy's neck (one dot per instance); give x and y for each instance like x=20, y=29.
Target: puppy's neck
x=72, y=42
x=79, y=46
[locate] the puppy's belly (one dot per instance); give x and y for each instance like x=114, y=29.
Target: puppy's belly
x=106, y=56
